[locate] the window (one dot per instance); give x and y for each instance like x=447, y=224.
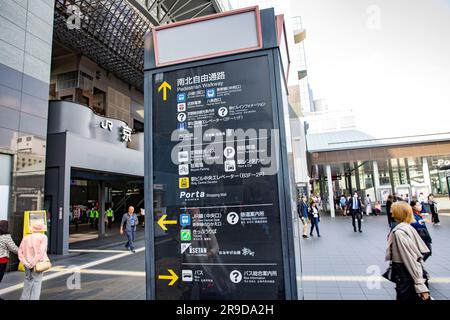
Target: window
x=67, y=80
x=437, y=175
x=28, y=139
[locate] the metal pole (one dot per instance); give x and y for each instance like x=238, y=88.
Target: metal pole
x=101, y=209
x=330, y=191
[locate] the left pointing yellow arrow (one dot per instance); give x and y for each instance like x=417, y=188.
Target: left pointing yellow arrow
x=173, y=277
x=162, y=222
x=164, y=87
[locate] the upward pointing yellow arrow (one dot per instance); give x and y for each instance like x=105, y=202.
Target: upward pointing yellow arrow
x=164, y=86
x=173, y=277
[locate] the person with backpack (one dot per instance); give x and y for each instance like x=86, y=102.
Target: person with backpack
x=420, y=226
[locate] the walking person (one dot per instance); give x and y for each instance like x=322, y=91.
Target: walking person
x=110, y=217
x=92, y=217
x=423, y=202
x=7, y=246
x=356, y=211
x=343, y=205
x=314, y=216
x=420, y=226
x=368, y=204
x=32, y=252
x=434, y=210
x=405, y=251
x=377, y=208
x=389, y=202
x=96, y=217
x=130, y=220
x=76, y=217
x=302, y=210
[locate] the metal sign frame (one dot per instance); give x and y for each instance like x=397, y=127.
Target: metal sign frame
x=286, y=222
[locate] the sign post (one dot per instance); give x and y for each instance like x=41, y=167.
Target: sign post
x=215, y=142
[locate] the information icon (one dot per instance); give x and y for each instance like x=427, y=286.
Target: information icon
x=181, y=117
x=223, y=111
x=233, y=218
x=235, y=276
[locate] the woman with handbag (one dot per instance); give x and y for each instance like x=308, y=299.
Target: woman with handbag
x=405, y=251
x=33, y=255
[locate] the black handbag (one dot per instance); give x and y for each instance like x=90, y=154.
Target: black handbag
x=389, y=273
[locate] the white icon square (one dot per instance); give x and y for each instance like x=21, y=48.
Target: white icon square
x=183, y=156
x=187, y=276
x=183, y=169
x=181, y=107
x=230, y=165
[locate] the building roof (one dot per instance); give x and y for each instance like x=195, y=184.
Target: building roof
x=355, y=139
x=111, y=32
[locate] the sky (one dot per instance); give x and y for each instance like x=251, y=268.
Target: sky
x=388, y=60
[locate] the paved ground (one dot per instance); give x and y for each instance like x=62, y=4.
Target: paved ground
x=335, y=266
x=342, y=264
x=108, y=272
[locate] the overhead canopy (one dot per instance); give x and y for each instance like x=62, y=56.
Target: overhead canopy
x=111, y=32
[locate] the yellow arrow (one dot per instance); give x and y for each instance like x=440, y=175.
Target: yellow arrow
x=162, y=222
x=173, y=277
x=164, y=87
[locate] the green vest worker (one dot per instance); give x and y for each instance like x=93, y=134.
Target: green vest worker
x=93, y=214
x=109, y=215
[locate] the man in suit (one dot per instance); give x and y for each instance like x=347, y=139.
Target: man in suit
x=356, y=211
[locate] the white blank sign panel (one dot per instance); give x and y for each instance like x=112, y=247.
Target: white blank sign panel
x=224, y=34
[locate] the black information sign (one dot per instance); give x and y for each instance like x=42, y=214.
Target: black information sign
x=216, y=200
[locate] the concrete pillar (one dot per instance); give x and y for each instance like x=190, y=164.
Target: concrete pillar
x=101, y=209
x=358, y=182
x=376, y=180
x=330, y=191
x=426, y=173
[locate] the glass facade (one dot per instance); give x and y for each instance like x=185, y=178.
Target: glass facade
x=438, y=177
x=401, y=175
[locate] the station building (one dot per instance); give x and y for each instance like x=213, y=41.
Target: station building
x=343, y=159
